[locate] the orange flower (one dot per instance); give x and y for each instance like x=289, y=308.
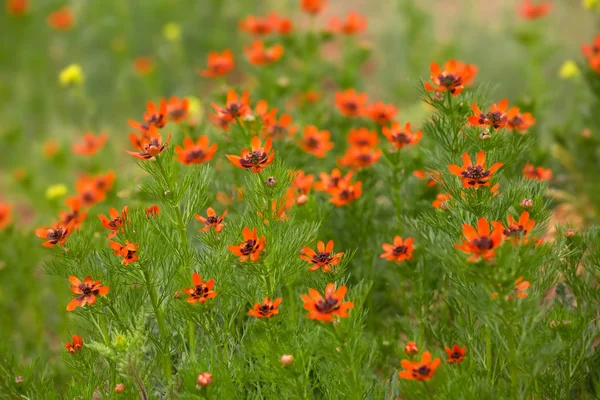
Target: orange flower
x=303, y=182
x=75, y=214
x=419, y=370
x=401, y=250
x=115, y=223
x=362, y=137
x=17, y=7
x=350, y=103
x=360, y=157
x=313, y=6
x=152, y=211
x=329, y=183
x=90, y=144
x=518, y=121
x=76, y=345
x=127, y=251
x=143, y=65
x=455, y=76
x=400, y=138
x=218, y=64
x=5, y=215
x=277, y=211
x=496, y=117
x=87, y=291
x=258, y=54
x=251, y=247
x=322, y=258
x=529, y=10
x=315, y=142
x=520, y=288
x=539, y=173
x=212, y=220
x=267, y=309
x=260, y=25
x=381, y=113
x=325, y=309
x=197, y=153
x=345, y=193
x=271, y=127
x=178, y=109
x=56, y=234
x=234, y=108
x=441, y=201
x=434, y=177
x=150, y=144
x=519, y=229
x=202, y=291
x=61, y=19
x=255, y=160
x=592, y=52
x=93, y=189
x=353, y=24
x=50, y=148
x=411, y=349
x=480, y=243
x=153, y=117
x=456, y=354
x=474, y=176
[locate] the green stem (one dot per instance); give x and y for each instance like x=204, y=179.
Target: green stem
x=488, y=351
x=192, y=338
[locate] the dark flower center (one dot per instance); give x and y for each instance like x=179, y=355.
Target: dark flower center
x=156, y=119
x=86, y=289
x=516, y=121
x=423, y=370
x=399, y=250
x=327, y=306
x=233, y=110
x=248, y=247
x=515, y=230
x=312, y=143
x=496, y=118
x=196, y=154
x=55, y=234
x=401, y=137
x=450, y=80
x=483, y=243
x=351, y=106
x=475, y=172
x=213, y=219
x=254, y=158
x=201, y=290
x=264, y=309
x=364, y=158
x=177, y=112
x=456, y=355
x=115, y=223
x=322, y=258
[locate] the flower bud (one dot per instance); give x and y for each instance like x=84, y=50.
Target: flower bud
x=19, y=379
x=120, y=388
x=411, y=349
x=485, y=135
x=271, y=181
x=586, y=133
x=302, y=199
x=526, y=203
x=204, y=379
x=570, y=233
x=286, y=360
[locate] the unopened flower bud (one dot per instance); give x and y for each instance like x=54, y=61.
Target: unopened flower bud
x=526, y=203
x=167, y=193
x=204, y=379
x=19, y=379
x=286, y=360
x=120, y=388
x=438, y=96
x=570, y=233
x=411, y=349
x=271, y=181
x=485, y=135
x=586, y=133
x=302, y=199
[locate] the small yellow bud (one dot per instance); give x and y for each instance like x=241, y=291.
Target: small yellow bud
x=55, y=191
x=72, y=75
x=569, y=70
x=172, y=31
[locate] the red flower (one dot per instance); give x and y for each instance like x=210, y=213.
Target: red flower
x=178, y=109
x=322, y=258
x=360, y=157
x=5, y=215
x=350, y=103
x=62, y=19
x=313, y=6
x=266, y=25
x=92, y=189
x=441, y=201
x=332, y=305
x=212, y=220
x=202, y=291
x=150, y=144
x=271, y=127
x=195, y=153
x=517, y=230
x=474, y=176
x=528, y=10
x=127, y=251
x=455, y=76
x=480, y=243
x=518, y=121
x=258, y=54
x=353, y=24
x=255, y=160
x=218, y=64
x=152, y=211
x=362, y=137
x=315, y=142
x=381, y=113
x=17, y=7
x=251, y=247
x=496, y=117
x=115, y=223
x=401, y=250
x=90, y=144
x=592, y=52
x=76, y=345
x=267, y=309
x=56, y=234
x=539, y=173
x=143, y=65
x=345, y=193
x=398, y=137
x=329, y=183
x=455, y=355
x=411, y=348
x=234, y=108
x=419, y=370
x=520, y=288
x=87, y=291
x=153, y=117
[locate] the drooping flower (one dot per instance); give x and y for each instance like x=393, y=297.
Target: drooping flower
x=329, y=183
x=212, y=220
x=313, y=6
x=401, y=250
x=127, y=251
x=257, y=159
x=326, y=308
x=350, y=103
x=5, y=215
x=201, y=291
x=381, y=113
x=539, y=173
x=258, y=54
x=195, y=153
x=398, y=137
x=519, y=230
x=234, y=108
x=497, y=117
x=90, y=144
x=116, y=221
x=456, y=354
x=153, y=117
x=150, y=144
x=360, y=157
x=61, y=19
x=323, y=258
x=530, y=10
x=178, y=109
x=353, y=24
x=87, y=291
x=315, y=142
x=267, y=309
x=76, y=345
x=56, y=234
x=519, y=121
x=218, y=64
x=251, y=247
x=455, y=76
x=480, y=242
x=419, y=370
x=474, y=176
x=345, y=193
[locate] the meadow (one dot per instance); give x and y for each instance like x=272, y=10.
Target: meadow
x=299, y=199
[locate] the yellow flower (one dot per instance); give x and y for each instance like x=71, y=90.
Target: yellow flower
x=195, y=107
x=569, y=70
x=55, y=191
x=590, y=4
x=72, y=75
x=172, y=31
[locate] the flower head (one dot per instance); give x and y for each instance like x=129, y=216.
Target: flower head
x=474, y=176
x=267, y=309
x=149, y=144
x=330, y=183
x=441, y=201
x=153, y=117
x=258, y=54
x=323, y=258
x=517, y=230
x=530, y=10
x=212, y=220
x=350, y=103
x=61, y=19
x=204, y=379
x=55, y=234
x=315, y=142
x=497, y=117
x=381, y=113
x=411, y=348
x=354, y=23
x=72, y=75
x=480, y=242
x=327, y=307
x=128, y=251
x=178, y=109
x=152, y=211
x=251, y=247
x=401, y=250
x=362, y=137
x=234, y=107
x=539, y=173
x=455, y=76
x=195, y=153
x=345, y=193
x=17, y=7
x=201, y=291
x=143, y=65
x=87, y=291
x=456, y=354
x=313, y=6
x=419, y=370
x=90, y=144
x=257, y=159
x=5, y=215
x=360, y=157
x=76, y=345
x=519, y=121
x=218, y=64
x=400, y=138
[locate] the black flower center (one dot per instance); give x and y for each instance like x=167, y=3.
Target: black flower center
x=322, y=258
x=450, y=80
x=248, y=247
x=195, y=155
x=515, y=230
x=327, y=305
x=483, y=243
x=399, y=250
x=475, y=172
x=423, y=370
x=200, y=290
